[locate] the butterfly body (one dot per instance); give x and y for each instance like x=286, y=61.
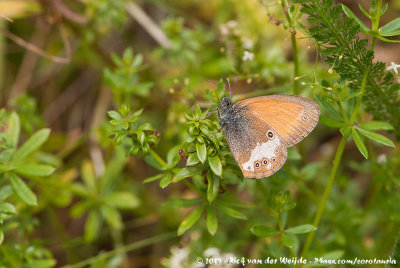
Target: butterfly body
x=258, y=130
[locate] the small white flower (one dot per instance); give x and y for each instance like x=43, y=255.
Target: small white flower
x=212, y=252
x=393, y=66
x=224, y=29
x=178, y=257
x=247, y=43
x=248, y=55
x=232, y=24
x=382, y=159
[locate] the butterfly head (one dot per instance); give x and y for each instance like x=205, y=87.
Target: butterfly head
x=225, y=112
x=226, y=103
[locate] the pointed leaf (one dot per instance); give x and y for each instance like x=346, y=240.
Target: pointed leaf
x=376, y=137
x=213, y=187
x=288, y=240
x=360, y=144
x=212, y=221
x=13, y=129
x=391, y=26
x=376, y=125
x=112, y=217
x=233, y=213
x=122, y=200
x=350, y=14
x=388, y=40
x=182, y=203
x=331, y=122
x=22, y=190
x=187, y=172
x=215, y=165
x=32, y=144
x=35, y=170
x=193, y=159
x=190, y=220
x=301, y=229
x=201, y=151
x=92, y=226
x=263, y=231
x=364, y=11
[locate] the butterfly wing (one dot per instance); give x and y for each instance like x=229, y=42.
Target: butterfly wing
x=292, y=117
x=255, y=145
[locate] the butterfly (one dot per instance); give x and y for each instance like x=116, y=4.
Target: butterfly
x=258, y=130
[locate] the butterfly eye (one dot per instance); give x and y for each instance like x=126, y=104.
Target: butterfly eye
x=257, y=164
x=276, y=150
x=305, y=117
x=273, y=159
x=265, y=162
x=270, y=134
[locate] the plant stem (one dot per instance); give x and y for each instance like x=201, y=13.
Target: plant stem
x=158, y=158
x=295, y=54
x=126, y=248
x=336, y=162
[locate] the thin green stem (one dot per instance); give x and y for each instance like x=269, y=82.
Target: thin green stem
x=295, y=54
x=158, y=158
x=336, y=163
x=126, y=248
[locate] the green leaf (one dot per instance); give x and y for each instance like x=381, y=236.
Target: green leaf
x=376, y=137
x=187, y=172
x=5, y=192
x=22, y=190
x=301, y=229
x=330, y=122
x=190, y=220
x=92, y=226
x=193, y=159
x=35, y=170
x=182, y=203
x=153, y=178
x=213, y=187
x=364, y=11
x=345, y=131
x=388, y=40
x=288, y=240
x=48, y=263
x=215, y=165
x=166, y=180
x=390, y=27
x=233, y=213
x=376, y=125
x=32, y=144
x=13, y=129
x=350, y=14
x=263, y=231
x=383, y=10
x=1, y=237
x=333, y=255
x=122, y=200
x=211, y=221
x=360, y=144
x=114, y=115
x=112, y=217
x=201, y=151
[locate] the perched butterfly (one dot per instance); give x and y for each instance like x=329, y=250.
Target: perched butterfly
x=259, y=130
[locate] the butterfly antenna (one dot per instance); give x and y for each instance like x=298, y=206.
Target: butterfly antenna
x=230, y=91
x=212, y=81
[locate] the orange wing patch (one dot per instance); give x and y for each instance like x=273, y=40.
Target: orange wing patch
x=292, y=117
